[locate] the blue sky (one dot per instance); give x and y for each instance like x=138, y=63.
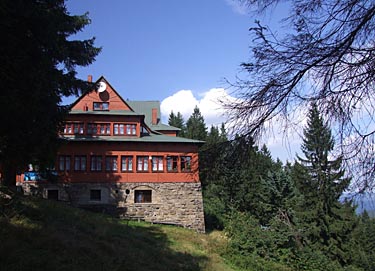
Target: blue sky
x=152, y=49
x=177, y=52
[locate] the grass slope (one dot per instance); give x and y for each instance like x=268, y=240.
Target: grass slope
x=36, y=234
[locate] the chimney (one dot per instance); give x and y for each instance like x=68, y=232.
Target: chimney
x=89, y=78
x=154, y=120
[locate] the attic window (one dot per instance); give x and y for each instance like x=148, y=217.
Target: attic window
x=101, y=106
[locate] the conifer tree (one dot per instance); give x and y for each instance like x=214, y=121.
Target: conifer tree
x=177, y=121
x=39, y=57
x=321, y=181
x=195, y=126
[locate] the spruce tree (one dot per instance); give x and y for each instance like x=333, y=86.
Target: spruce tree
x=195, y=126
x=39, y=57
x=177, y=121
x=321, y=181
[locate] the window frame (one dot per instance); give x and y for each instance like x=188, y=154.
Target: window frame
x=144, y=163
x=185, y=163
x=157, y=163
x=64, y=163
x=103, y=128
x=119, y=128
x=174, y=159
x=111, y=163
x=128, y=159
x=96, y=163
x=100, y=106
x=82, y=165
x=131, y=129
x=143, y=196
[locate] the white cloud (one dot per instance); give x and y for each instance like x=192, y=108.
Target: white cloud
x=184, y=101
x=282, y=143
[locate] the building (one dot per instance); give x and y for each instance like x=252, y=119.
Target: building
x=116, y=154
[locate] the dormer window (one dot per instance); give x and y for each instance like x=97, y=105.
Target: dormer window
x=101, y=106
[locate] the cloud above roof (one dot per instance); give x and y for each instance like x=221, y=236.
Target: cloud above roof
x=184, y=101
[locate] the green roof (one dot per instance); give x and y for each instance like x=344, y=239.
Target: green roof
x=145, y=108
x=145, y=138
x=111, y=112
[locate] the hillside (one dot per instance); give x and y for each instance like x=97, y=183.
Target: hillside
x=37, y=234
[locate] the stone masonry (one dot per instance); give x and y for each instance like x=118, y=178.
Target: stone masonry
x=178, y=203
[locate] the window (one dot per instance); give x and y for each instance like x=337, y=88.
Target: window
x=105, y=128
x=185, y=163
x=119, y=129
x=68, y=128
x=131, y=129
x=142, y=163
x=96, y=163
x=91, y=129
x=142, y=196
x=78, y=128
x=126, y=163
x=95, y=194
x=80, y=163
x=53, y=194
x=64, y=163
x=98, y=106
x=172, y=163
x=111, y=163
x=99, y=128
x=157, y=163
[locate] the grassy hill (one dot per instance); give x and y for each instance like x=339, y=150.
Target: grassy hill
x=36, y=234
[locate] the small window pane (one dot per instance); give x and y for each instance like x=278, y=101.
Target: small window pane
x=172, y=163
x=185, y=163
x=143, y=196
x=111, y=163
x=96, y=194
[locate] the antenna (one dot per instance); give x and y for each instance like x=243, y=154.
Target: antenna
x=102, y=87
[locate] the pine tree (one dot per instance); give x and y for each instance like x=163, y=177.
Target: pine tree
x=195, y=126
x=321, y=181
x=177, y=121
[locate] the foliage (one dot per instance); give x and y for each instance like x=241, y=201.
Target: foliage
x=364, y=243
x=195, y=126
x=324, y=53
x=38, y=59
x=177, y=121
x=320, y=180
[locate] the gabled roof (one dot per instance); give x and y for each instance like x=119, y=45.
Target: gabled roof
x=118, y=106
x=112, y=89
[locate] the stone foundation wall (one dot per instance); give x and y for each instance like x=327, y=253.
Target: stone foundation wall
x=171, y=203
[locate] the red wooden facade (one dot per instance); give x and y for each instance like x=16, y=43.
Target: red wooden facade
x=105, y=140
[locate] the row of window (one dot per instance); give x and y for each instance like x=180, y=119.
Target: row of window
x=140, y=196
x=111, y=163
x=100, y=128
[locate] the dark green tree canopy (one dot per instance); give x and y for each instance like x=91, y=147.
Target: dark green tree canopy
x=177, y=121
x=322, y=175
x=195, y=126
x=321, y=181
x=39, y=59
